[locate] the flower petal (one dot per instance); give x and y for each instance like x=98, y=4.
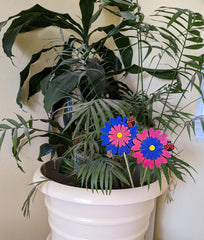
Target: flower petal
x=137, y=145
x=123, y=149
x=105, y=139
x=124, y=121
x=115, y=121
x=130, y=143
x=163, y=139
x=166, y=154
x=139, y=156
x=143, y=135
x=153, y=133
x=133, y=131
x=111, y=148
x=159, y=161
x=148, y=163
x=107, y=128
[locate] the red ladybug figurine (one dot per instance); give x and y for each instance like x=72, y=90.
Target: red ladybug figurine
x=169, y=146
x=131, y=122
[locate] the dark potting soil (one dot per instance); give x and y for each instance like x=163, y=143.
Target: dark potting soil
x=51, y=170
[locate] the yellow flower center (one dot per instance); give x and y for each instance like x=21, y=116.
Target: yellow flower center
x=119, y=135
x=151, y=148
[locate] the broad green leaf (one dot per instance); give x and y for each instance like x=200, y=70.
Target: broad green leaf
x=168, y=74
x=38, y=81
x=113, y=62
x=25, y=72
x=194, y=58
x=46, y=149
x=122, y=42
x=96, y=78
x=60, y=86
x=98, y=13
x=34, y=18
x=87, y=8
x=125, y=49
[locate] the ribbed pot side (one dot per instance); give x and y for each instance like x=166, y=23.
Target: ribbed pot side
x=79, y=214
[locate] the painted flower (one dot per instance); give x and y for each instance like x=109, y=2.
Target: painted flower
x=149, y=148
x=118, y=136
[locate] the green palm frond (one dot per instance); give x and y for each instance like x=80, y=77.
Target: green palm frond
x=102, y=173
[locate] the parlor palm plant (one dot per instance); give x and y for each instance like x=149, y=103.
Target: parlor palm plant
x=85, y=87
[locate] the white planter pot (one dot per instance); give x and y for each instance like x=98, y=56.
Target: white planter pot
x=78, y=214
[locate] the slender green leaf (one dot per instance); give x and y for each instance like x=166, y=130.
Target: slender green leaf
x=2, y=138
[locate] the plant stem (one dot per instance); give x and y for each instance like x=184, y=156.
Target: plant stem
x=128, y=169
x=145, y=172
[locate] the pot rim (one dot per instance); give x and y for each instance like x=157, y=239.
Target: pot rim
x=87, y=196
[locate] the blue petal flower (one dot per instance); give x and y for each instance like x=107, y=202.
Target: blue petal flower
x=106, y=138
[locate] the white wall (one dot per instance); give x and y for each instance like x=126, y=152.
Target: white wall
x=182, y=219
